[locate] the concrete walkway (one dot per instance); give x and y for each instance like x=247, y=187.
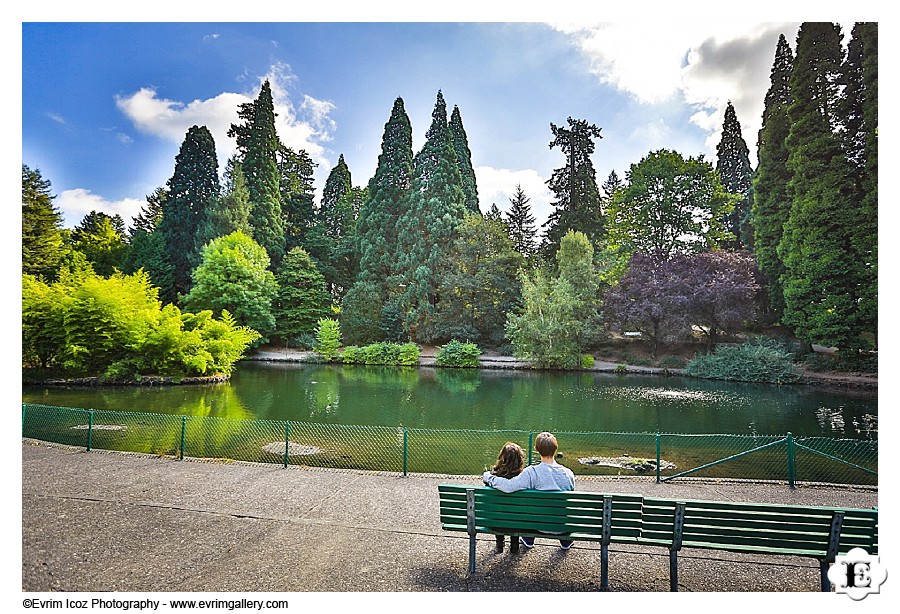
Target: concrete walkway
x=109, y=521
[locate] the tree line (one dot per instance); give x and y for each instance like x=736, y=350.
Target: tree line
x=676, y=247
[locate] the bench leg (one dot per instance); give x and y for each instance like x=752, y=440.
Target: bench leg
x=604, y=567
x=673, y=571
x=513, y=543
x=825, y=582
x=471, y=571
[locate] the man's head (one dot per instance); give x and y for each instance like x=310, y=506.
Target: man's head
x=546, y=445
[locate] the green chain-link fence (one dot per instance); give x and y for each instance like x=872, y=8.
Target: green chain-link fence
x=663, y=456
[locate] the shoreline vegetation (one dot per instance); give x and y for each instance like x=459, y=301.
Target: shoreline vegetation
x=427, y=358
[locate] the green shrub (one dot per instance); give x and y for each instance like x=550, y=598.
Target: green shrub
x=116, y=328
x=458, y=354
x=621, y=369
x=409, y=354
x=328, y=339
x=587, y=361
x=673, y=362
x=382, y=353
x=353, y=354
x=754, y=361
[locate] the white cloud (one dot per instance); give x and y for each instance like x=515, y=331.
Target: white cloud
x=300, y=126
x=59, y=119
x=75, y=204
x=653, y=134
x=703, y=64
x=498, y=185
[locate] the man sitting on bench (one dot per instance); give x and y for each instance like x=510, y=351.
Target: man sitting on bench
x=548, y=475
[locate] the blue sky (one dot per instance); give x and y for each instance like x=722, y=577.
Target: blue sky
x=105, y=106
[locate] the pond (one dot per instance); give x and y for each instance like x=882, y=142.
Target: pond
x=431, y=398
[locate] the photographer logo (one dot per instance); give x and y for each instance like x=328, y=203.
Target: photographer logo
x=857, y=574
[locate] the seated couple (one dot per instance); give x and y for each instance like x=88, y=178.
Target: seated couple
x=509, y=475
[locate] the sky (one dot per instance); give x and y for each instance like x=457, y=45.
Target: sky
x=105, y=106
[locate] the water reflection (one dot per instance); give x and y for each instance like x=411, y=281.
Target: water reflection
x=495, y=400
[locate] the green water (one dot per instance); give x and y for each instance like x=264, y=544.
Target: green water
x=493, y=400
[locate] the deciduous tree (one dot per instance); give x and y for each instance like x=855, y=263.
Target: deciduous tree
x=234, y=275
x=670, y=204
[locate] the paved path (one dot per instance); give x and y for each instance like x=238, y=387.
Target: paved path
x=108, y=521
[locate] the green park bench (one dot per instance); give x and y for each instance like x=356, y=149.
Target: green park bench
x=773, y=529
x=806, y=531
x=580, y=516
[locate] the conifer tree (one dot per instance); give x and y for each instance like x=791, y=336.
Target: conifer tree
x=824, y=280
x=193, y=186
x=147, y=249
x=376, y=230
x=42, y=237
x=577, y=205
x=771, y=204
x=301, y=299
x=521, y=223
x=332, y=236
x=859, y=135
x=464, y=161
x=258, y=145
x=229, y=212
x=388, y=195
x=733, y=164
x=426, y=228
x=297, y=193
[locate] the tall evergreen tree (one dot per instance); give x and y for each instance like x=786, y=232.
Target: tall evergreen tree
x=229, y=212
x=609, y=187
x=521, y=223
x=426, y=229
x=577, y=205
x=42, y=237
x=258, y=145
x=388, y=196
x=193, y=186
x=824, y=280
x=297, y=193
x=332, y=236
x=464, y=160
x=859, y=136
x=771, y=203
x=376, y=230
x=147, y=249
x=733, y=164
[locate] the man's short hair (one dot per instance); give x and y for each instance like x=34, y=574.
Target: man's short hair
x=546, y=444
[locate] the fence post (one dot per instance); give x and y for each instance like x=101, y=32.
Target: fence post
x=405, y=450
x=287, y=439
x=657, y=457
x=183, y=428
x=90, y=428
x=792, y=469
x=530, y=445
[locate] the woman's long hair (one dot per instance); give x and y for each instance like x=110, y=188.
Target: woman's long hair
x=510, y=461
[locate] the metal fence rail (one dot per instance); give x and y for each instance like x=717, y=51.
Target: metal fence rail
x=663, y=456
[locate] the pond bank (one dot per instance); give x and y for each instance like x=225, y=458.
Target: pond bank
x=427, y=359
x=147, y=380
